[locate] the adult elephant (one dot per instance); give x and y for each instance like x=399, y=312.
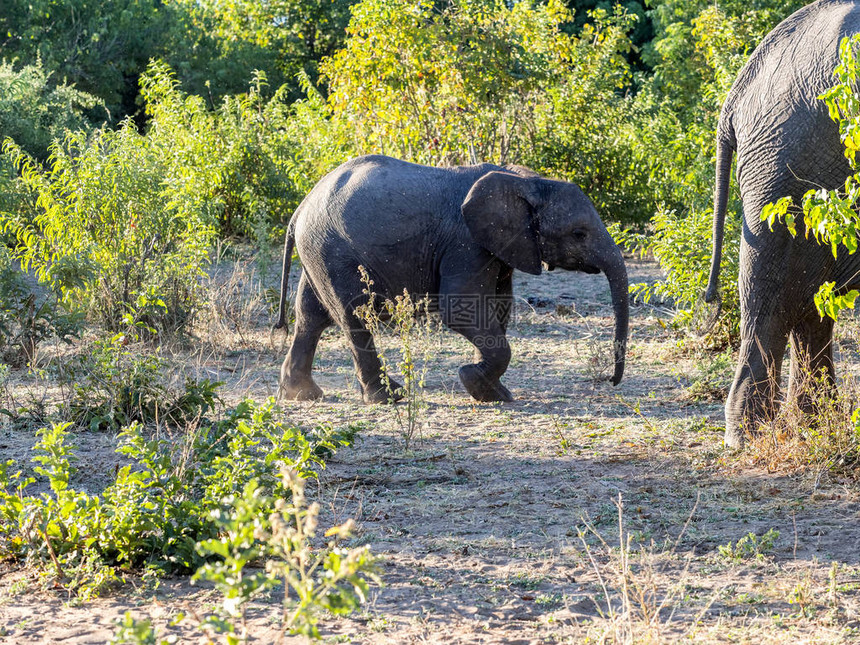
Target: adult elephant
x=786, y=143
x=454, y=233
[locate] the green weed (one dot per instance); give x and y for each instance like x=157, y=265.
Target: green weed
x=159, y=505
x=402, y=314
x=121, y=382
x=713, y=377
x=258, y=528
x=130, y=631
x=749, y=547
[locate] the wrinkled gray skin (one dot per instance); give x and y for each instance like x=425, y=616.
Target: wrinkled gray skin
x=454, y=233
x=786, y=144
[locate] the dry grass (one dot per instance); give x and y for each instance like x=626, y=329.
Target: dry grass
x=820, y=436
x=644, y=589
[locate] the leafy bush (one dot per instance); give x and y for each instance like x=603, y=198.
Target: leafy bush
x=330, y=579
x=27, y=317
x=160, y=504
x=118, y=383
x=34, y=111
x=749, y=547
x=100, y=48
x=220, y=44
x=232, y=157
x=586, y=128
x=676, y=242
x=124, y=221
x=696, y=54
x=106, y=237
x=441, y=86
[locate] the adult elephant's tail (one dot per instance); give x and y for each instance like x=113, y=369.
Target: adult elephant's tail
x=725, y=150
x=289, y=242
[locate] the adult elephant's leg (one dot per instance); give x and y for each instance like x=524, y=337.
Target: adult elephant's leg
x=811, y=359
x=764, y=334
x=312, y=319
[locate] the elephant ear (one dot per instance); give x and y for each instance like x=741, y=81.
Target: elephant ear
x=499, y=211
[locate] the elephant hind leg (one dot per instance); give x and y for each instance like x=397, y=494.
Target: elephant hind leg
x=811, y=361
x=375, y=388
x=753, y=396
x=346, y=293
x=312, y=319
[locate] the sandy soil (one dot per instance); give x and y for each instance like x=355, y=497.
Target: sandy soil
x=501, y=523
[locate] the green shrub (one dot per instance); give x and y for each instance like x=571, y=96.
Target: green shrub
x=330, y=579
x=587, y=128
x=119, y=382
x=35, y=111
x=696, y=54
x=678, y=244
x=441, y=86
x=123, y=221
x=749, y=547
x=100, y=48
x=233, y=157
x=107, y=236
x=160, y=504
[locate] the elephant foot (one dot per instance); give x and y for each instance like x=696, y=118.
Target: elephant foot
x=300, y=390
x=734, y=438
x=736, y=432
x=379, y=393
x=481, y=388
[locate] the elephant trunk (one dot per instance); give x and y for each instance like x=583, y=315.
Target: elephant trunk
x=616, y=272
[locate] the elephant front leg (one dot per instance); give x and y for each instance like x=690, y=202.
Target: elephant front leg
x=481, y=379
x=492, y=356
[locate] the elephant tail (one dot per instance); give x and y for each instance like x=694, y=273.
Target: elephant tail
x=289, y=243
x=725, y=150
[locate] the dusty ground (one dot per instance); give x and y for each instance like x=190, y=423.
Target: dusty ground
x=501, y=525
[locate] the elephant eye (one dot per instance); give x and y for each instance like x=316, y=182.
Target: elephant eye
x=579, y=234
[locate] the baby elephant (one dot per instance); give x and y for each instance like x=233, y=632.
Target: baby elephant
x=456, y=234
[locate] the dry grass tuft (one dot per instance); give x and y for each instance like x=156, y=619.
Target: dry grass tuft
x=644, y=592
x=236, y=302
x=816, y=432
